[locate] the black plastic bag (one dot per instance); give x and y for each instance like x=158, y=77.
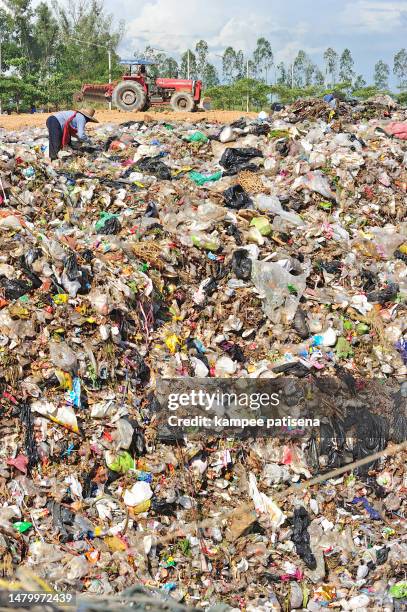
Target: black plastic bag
x=283, y=148
x=138, y=366
x=242, y=264
x=62, y=518
x=293, y=369
x=14, y=289
x=30, y=447
x=155, y=166
x=260, y=129
x=235, y=160
x=277, y=106
x=384, y=295
x=236, y=198
x=300, y=537
x=300, y=324
x=151, y=210
x=240, y=124
x=71, y=267
x=232, y=230
x=111, y=226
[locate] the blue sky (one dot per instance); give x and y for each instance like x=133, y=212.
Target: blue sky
x=372, y=29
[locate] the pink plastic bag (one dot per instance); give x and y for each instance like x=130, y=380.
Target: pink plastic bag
x=399, y=130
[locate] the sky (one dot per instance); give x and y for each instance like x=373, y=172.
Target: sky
x=372, y=29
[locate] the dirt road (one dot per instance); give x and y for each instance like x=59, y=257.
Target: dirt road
x=16, y=122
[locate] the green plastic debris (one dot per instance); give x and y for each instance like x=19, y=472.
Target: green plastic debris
x=104, y=216
x=398, y=590
x=292, y=289
x=168, y=126
x=197, y=137
x=205, y=243
x=347, y=324
x=278, y=134
x=122, y=462
x=362, y=328
x=199, y=179
x=326, y=205
x=343, y=349
x=22, y=526
x=262, y=224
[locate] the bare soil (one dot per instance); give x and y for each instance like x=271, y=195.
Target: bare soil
x=17, y=122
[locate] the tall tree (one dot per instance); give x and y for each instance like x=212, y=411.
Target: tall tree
x=169, y=68
x=299, y=67
x=331, y=64
x=201, y=49
x=263, y=58
x=346, y=63
x=381, y=75
x=188, y=60
x=87, y=32
x=319, y=78
x=400, y=68
x=210, y=77
x=229, y=64
x=282, y=74
x=240, y=66
x=46, y=37
x=359, y=83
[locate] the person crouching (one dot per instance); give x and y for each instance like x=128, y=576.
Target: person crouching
x=65, y=124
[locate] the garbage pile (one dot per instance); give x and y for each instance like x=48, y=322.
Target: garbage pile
x=256, y=249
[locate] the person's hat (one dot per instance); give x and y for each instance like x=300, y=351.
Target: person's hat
x=89, y=114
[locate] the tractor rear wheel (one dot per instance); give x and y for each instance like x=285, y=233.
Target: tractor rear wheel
x=182, y=101
x=129, y=96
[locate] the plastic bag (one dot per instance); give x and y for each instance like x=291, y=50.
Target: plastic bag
x=197, y=137
x=241, y=264
x=235, y=160
x=315, y=181
x=108, y=224
x=199, y=179
x=301, y=537
x=155, y=166
x=14, y=289
x=236, y=198
x=281, y=290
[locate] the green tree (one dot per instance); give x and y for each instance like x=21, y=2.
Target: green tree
x=240, y=68
x=169, y=68
x=381, y=75
x=360, y=83
x=201, y=49
x=400, y=68
x=331, y=64
x=229, y=64
x=282, y=74
x=262, y=58
x=210, y=78
x=299, y=68
x=319, y=78
x=46, y=39
x=189, y=58
x=346, y=63
x=86, y=34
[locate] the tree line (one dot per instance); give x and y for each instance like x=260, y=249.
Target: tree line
x=49, y=51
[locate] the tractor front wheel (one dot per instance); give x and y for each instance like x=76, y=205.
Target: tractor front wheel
x=129, y=96
x=182, y=101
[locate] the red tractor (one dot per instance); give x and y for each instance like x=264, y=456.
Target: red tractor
x=136, y=92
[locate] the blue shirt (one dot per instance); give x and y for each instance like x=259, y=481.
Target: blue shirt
x=78, y=122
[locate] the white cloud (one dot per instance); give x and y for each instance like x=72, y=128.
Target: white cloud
x=375, y=16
